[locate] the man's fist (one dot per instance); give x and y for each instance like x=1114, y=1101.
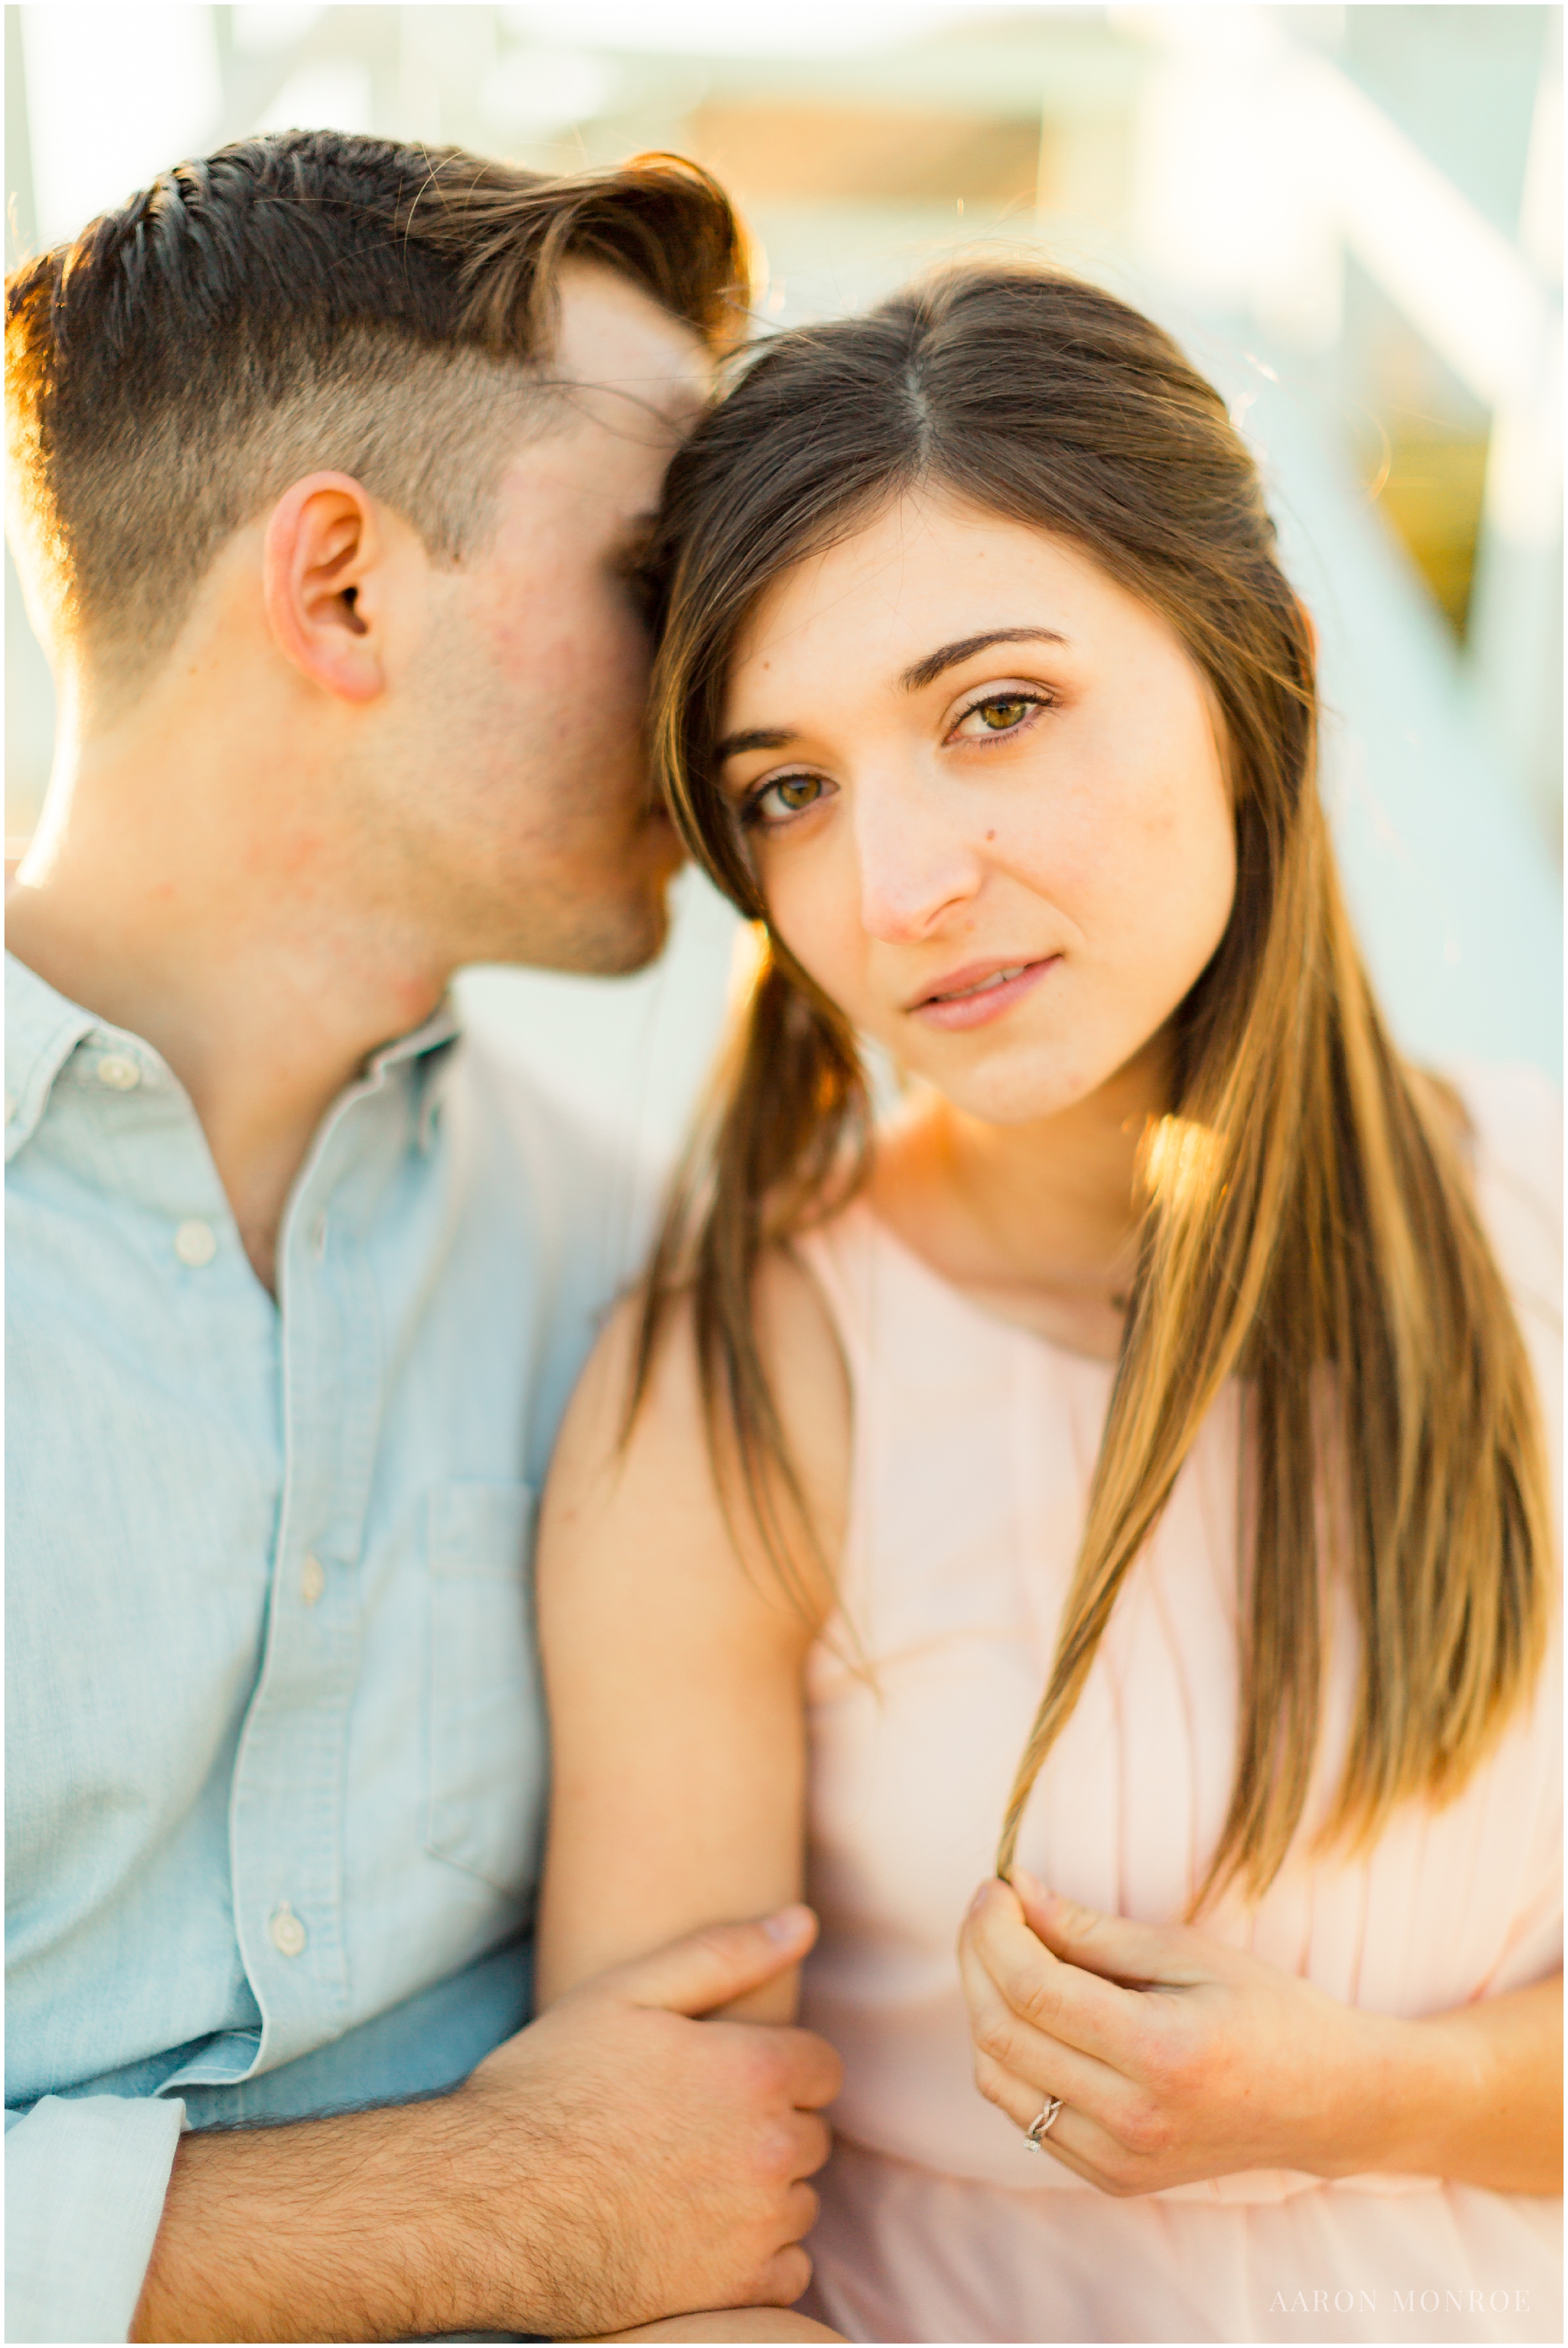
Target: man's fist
x=641, y=2162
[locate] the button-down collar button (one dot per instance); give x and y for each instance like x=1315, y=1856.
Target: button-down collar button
x=319, y=1236
x=195, y=1243
x=313, y=1580
x=119, y=1072
x=287, y=1931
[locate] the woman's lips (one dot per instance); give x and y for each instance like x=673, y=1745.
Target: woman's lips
x=974, y=1002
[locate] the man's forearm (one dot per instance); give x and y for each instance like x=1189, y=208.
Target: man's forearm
x=348, y=2228
x=618, y=2161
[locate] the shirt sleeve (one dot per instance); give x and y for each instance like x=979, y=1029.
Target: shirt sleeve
x=85, y=2181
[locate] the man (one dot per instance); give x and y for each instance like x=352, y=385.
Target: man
x=330, y=463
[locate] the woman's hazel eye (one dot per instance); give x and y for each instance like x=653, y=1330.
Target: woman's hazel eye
x=999, y=714
x=790, y=795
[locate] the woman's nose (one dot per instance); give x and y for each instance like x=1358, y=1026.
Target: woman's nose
x=915, y=864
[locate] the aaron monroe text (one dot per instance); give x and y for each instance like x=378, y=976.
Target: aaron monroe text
x=1448, y=2301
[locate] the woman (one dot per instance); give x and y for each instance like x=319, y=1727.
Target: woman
x=1176, y=1350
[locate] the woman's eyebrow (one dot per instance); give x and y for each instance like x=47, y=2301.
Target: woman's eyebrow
x=758, y=737
x=927, y=670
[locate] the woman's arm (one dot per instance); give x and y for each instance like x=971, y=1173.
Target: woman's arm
x=672, y=1660
x=1479, y=2092
x=1177, y=2057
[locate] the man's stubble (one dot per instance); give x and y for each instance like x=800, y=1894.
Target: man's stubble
x=532, y=837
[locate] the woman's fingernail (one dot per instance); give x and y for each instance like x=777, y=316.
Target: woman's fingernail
x=790, y=1924
x=1029, y=1886
x=978, y=1901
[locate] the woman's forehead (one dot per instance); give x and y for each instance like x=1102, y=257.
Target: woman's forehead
x=923, y=573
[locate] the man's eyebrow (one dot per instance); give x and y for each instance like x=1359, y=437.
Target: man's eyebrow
x=759, y=737
x=927, y=670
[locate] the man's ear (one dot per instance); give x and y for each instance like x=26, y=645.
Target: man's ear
x=322, y=558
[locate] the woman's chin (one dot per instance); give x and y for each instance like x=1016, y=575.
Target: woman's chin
x=1017, y=1096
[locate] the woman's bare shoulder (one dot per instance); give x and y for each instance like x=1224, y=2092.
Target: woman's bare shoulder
x=641, y=1446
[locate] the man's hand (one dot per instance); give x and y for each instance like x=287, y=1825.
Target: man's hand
x=618, y=2161
x=1177, y=2057
x=677, y=2148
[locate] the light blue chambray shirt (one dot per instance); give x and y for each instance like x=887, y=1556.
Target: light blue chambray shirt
x=275, y=1756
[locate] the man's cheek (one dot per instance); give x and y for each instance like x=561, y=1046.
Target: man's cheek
x=593, y=641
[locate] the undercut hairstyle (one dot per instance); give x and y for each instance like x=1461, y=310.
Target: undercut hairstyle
x=309, y=302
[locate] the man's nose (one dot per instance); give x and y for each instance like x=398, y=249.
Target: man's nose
x=917, y=862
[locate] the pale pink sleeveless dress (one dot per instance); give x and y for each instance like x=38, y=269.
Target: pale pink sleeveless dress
x=974, y=1443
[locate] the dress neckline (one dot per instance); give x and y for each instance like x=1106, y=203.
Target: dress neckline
x=970, y=1306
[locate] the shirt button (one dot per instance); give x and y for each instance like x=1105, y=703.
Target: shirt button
x=119, y=1072
x=312, y=1581
x=195, y=1243
x=288, y=1932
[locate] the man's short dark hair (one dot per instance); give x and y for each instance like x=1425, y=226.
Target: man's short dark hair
x=312, y=300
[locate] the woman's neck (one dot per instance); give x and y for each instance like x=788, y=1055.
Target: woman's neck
x=1037, y=1222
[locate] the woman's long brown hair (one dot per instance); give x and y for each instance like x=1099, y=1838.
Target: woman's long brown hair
x=1308, y=1226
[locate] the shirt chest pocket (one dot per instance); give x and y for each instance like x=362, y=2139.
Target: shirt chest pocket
x=485, y=1724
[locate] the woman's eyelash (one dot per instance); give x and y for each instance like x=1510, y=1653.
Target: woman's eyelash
x=751, y=811
x=1031, y=697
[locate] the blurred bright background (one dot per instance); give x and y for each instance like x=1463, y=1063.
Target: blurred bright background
x=1351, y=216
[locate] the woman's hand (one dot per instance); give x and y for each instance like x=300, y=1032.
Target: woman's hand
x=1176, y=2058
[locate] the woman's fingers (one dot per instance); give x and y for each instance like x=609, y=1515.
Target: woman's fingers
x=1062, y=2000
x=1112, y=1947
x=1110, y=2124
x=1032, y=2064
x=1022, y=2100
x=1074, y=2138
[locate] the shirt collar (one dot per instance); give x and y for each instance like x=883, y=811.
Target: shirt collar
x=430, y=1046
x=43, y=1028
x=440, y=1028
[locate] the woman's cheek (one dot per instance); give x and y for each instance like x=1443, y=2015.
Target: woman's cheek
x=1152, y=853
x=819, y=919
